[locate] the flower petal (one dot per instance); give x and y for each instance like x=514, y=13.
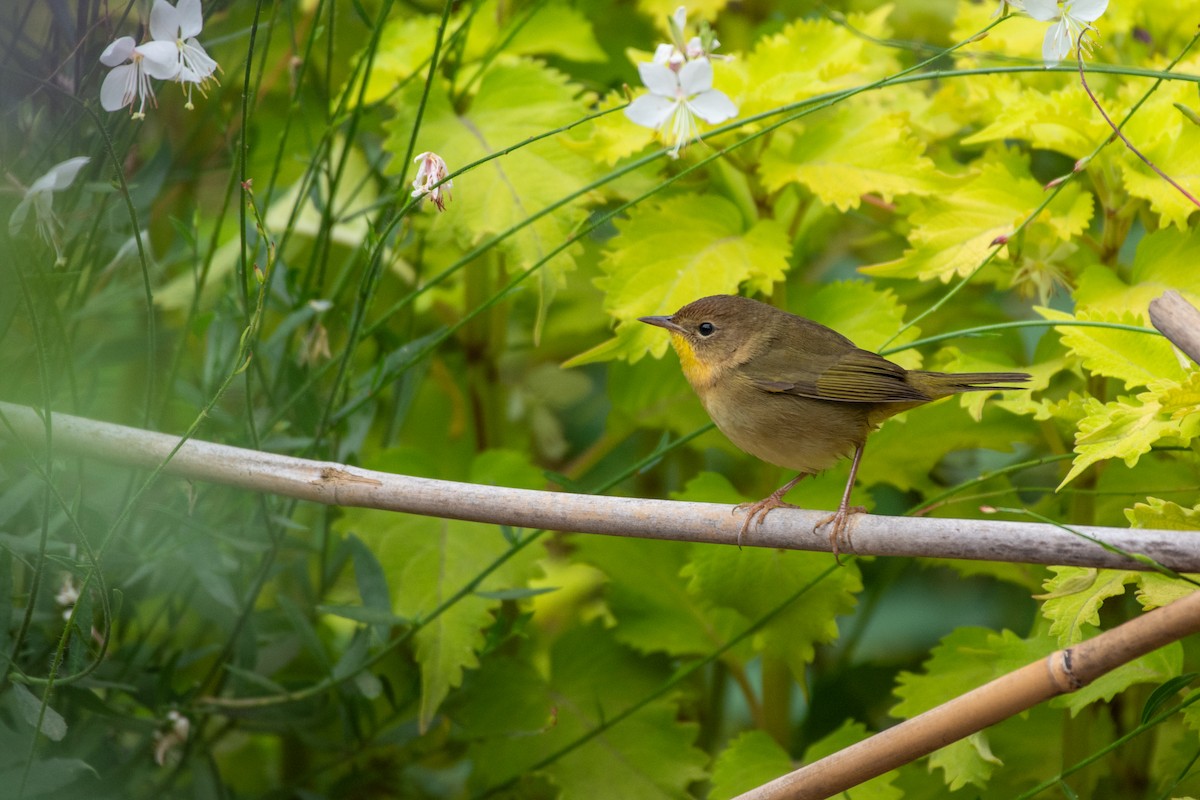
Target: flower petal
x=164, y=22
x=1043, y=10
x=118, y=52
x=160, y=59
x=650, y=110
x=1057, y=44
x=696, y=76
x=1086, y=10
x=712, y=106
x=17, y=219
x=191, y=20
x=63, y=174
x=659, y=79
x=114, y=94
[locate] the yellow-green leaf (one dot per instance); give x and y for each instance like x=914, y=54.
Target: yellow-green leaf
x=813, y=56
x=1135, y=358
x=955, y=230
x=673, y=252
x=849, y=153
x=1076, y=596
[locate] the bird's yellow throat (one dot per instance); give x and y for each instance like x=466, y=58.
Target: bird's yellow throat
x=696, y=371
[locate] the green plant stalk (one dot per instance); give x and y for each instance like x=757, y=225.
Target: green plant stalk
x=1024, y=323
x=1118, y=742
x=984, y=477
x=44, y=534
x=1054, y=192
x=467, y=589
x=777, y=699
x=371, y=275
x=670, y=684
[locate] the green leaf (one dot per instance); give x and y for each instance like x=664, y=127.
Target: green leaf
x=1064, y=120
x=1172, y=145
x=554, y=28
x=964, y=660
x=749, y=761
x=1125, y=429
x=1135, y=358
x=372, y=584
x=653, y=608
x=428, y=561
x=48, y=722
x=516, y=100
x=955, y=230
x=1076, y=596
x=513, y=718
x=673, y=252
x=853, y=152
x=755, y=581
x=1163, y=260
x=1160, y=514
x=1165, y=692
x=1156, y=590
x=812, y=56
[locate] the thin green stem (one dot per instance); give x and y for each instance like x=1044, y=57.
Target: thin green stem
x=1110, y=747
x=1025, y=323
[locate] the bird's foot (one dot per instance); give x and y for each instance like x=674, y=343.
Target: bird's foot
x=759, y=510
x=840, y=535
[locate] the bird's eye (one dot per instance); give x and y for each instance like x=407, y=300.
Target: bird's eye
x=706, y=328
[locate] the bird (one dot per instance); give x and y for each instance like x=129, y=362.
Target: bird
x=797, y=394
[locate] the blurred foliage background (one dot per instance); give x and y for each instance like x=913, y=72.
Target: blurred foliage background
x=257, y=265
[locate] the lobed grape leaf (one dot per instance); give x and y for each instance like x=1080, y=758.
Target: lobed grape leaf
x=1074, y=596
x=747, y=762
x=848, y=153
x=676, y=251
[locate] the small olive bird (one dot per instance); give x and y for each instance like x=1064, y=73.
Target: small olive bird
x=797, y=394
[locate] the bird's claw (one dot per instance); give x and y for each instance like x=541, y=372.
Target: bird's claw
x=759, y=511
x=840, y=534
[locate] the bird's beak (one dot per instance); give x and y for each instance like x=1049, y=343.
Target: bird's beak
x=662, y=322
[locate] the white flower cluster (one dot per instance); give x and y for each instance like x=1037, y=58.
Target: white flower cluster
x=680, y=81
x=172, y=54
x=1070, y=23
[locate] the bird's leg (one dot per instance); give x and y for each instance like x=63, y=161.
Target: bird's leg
x=762, y=507
x=841, y=517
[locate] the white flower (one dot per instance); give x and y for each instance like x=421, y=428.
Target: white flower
x=430, y=174
x=68, y=595
x=129, y=77
x=171, y=739
x=41, y=196
x=677, y=98
x=174, y=54
x=1072, y=21
x=1008, y=5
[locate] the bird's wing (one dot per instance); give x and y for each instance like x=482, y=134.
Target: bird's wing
x=849, y=376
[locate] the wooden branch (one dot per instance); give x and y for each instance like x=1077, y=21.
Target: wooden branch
x=339, y=484
x=1060, y=672
x=1178, y=320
